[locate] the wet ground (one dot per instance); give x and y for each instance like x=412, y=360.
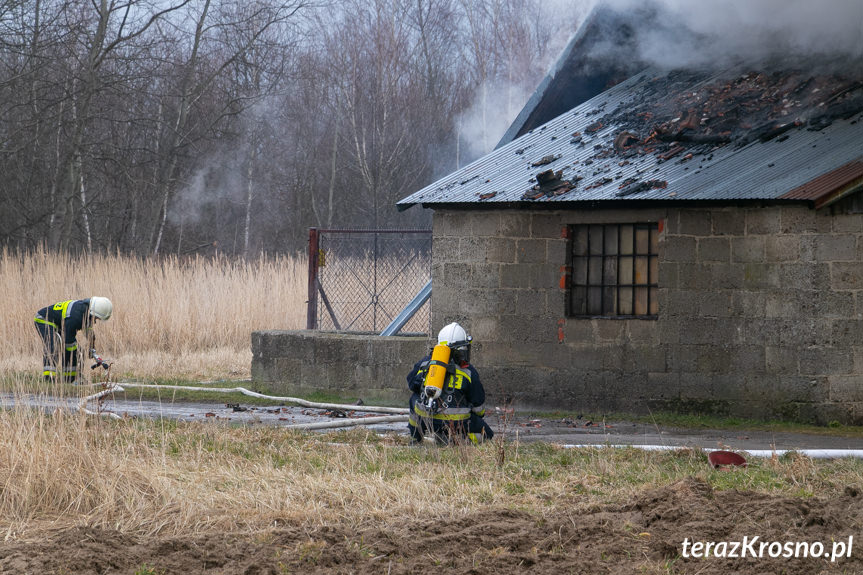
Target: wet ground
x=643, y=534
x=512, y=426
x=124, y=405
x=629, y=433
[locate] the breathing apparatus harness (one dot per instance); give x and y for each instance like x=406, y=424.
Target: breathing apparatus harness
x=442, y=365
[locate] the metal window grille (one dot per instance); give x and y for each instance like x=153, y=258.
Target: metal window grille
x=614, y=270
x=360, y=280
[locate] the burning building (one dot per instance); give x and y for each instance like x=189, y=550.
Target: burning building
x=685, y=238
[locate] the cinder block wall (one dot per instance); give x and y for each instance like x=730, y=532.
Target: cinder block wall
x=760, y=313
x=367, y=366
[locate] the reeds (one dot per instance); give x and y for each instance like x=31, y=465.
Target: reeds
x=172, y=317
x=182, y=318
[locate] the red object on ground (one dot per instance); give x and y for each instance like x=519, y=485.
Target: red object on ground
x=723, y=458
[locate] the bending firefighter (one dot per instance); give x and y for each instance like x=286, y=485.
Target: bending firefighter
x=447, y=395
x=58, y=326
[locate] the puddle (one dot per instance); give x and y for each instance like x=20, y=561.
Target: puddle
x=225, y=413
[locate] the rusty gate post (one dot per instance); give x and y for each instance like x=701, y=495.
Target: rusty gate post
x=312, y=310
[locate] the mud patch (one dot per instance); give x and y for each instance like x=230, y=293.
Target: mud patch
x=644, y=534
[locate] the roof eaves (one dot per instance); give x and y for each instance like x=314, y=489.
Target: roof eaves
x=832, y=186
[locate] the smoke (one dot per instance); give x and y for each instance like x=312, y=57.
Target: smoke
x=484, y=123
x=497, y=102
x=189, y=199
x=674, y=34
x=684, y=33
x=217, y=180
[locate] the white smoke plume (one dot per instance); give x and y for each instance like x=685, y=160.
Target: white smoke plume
x=483, y=124
x=683, y=34
x=498, y=102
x=216, y=180
x=688, y=33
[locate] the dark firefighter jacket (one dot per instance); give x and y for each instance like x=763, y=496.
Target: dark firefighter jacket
x=462, y=394
x=67, y=317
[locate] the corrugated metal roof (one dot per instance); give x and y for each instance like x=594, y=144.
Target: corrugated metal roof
x=794, y=140
x=822, y=189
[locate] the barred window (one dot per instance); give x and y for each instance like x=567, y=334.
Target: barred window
x=614, y=270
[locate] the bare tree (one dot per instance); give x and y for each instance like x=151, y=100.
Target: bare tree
x=255, y=79
x=104, y=29
x=279, y=115
x=247, y=25
x=374, y=93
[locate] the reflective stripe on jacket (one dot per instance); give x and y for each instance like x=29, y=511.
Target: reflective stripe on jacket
x=454, y=403
x=67, y=317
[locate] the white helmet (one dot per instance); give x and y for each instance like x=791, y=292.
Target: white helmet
x=450, y=334
x=101, y=307
x=456, y=338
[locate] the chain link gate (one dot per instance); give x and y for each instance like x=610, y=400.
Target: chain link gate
x=360, y=280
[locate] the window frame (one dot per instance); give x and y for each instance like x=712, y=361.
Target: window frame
x=586, y=260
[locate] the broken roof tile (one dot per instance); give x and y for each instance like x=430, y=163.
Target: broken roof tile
x=740, y=122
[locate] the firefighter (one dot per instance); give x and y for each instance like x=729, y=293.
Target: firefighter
x=59, y=324
x=452, y=407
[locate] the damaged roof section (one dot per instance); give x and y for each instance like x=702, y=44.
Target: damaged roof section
x=737, y=135
x=598, y=56
x=682, y=108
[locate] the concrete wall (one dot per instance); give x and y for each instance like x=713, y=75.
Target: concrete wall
x=367, y=366
x=760, y=313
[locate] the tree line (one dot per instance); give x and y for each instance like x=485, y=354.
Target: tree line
x=184, y=126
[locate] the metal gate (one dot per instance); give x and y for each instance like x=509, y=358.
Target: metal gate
x=360, y=280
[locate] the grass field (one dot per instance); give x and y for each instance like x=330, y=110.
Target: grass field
x=149, y=477
x=83, y=494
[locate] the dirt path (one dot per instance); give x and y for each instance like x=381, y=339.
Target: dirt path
x=644, y=535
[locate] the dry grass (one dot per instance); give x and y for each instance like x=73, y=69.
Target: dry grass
x=178, y=319
x=146, y=477
x=172, y=318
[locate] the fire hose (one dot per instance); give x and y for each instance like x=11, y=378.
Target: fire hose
x=113, y=387
x=349, y=422
x=811, y=453
x=296, y=400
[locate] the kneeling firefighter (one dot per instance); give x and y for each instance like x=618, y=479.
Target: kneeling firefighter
x=448, y=396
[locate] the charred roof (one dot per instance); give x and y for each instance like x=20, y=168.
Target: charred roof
x=746, y=133
x=598, y=56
